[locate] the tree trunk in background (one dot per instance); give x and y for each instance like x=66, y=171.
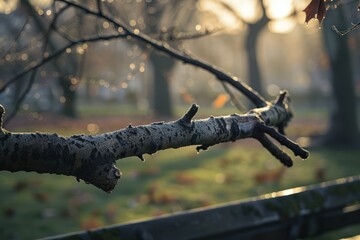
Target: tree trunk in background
x=254, y=30
x=162, y=66
x=254, y=74
x=68, y=108
x=343, y=129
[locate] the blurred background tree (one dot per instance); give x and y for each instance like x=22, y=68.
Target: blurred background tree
x=344, y=125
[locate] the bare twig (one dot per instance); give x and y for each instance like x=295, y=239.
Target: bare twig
x=178, y=36
x=233, y=98
x=99, y=7
x=346, y=31
x=274, y=150
x=283, y=140
x=254, y=97
x=56, y=54
x=20, y=100
x=54, y=27
x=13, y=43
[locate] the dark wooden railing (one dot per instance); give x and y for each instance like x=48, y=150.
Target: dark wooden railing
x=290, y=214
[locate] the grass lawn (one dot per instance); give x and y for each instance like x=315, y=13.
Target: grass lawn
x=34, y=205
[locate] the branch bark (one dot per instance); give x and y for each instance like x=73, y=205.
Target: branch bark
x=92, y=158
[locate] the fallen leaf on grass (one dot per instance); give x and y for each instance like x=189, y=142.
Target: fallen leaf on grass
x=220, y=100
x=41, y=197
x=9, y=212
x=20, y=185
x=90, y=223
x=185, y=178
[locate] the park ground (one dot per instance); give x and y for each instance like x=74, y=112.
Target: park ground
x=38, y=205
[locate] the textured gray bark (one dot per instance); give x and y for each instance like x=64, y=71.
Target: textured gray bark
x=92, y=158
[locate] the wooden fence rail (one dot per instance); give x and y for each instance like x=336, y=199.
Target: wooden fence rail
x=289, y=214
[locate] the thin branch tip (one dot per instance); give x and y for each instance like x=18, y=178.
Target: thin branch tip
x=2, y=111
x=141, y=158
x=281, y=98
x=283, y=140
x=274, y=150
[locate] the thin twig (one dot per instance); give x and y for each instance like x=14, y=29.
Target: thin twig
x=56, y=54
x=274, y=150
x=344, y=32
x=254, y=97
x=54, y=27
x=233, y=98
x=16, y=38
x=99, y=7
x=20, y=100
x=179, y=36
x=283, y=140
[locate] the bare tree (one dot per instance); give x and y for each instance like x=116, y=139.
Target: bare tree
x=92, y=158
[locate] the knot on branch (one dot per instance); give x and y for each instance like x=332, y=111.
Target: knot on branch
x=185, y=121
x=103, y=176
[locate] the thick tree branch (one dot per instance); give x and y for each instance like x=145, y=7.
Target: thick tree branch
x=92, y=158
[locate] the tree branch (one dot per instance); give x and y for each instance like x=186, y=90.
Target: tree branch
x=92, y=158
x=254, y=97
x=346, y=31
x=56, y=54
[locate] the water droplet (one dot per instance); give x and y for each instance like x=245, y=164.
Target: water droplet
x=106, y=25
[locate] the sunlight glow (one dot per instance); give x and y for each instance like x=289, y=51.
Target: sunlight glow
x=248, y=10
x=277, y=9
x=8, y=6
x=41, y=3
x=284, y=25
x=224, y=17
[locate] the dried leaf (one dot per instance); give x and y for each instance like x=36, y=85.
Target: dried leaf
x=90, y=223
x=220, y=101
x=9, y=212
x=185, y=178
x=187, y=98
x=41, y=197
x=20, y=185
x=315, y=9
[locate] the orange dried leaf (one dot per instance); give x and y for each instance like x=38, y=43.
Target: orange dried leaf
x=220, y=101
x=315, y=9
x=187, y=98
x=90, y=223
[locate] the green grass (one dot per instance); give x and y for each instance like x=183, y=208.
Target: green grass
x=35, y=205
